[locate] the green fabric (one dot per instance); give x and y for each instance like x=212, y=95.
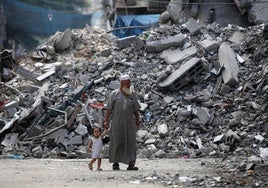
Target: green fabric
x=122, y=147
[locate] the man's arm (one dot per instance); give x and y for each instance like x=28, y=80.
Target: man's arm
x=107, y=118
x=137, y=118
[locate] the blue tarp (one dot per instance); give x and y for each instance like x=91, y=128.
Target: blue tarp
x=134, y=20
x=32, y=19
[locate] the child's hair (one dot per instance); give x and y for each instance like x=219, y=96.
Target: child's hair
x=96, y=126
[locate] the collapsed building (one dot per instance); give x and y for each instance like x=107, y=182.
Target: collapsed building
x=203, y=90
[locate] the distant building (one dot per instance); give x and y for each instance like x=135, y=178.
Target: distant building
x=3, y=36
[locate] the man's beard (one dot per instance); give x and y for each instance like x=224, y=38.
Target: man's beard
x=128, y=91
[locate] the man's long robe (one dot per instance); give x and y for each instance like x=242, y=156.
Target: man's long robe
x=122, y=148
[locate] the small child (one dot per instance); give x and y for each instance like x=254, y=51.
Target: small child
x=95, y=146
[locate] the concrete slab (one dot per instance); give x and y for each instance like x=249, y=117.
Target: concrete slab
x=227, y=59
x=178, y=55
x=160, y=45
x=183, y=75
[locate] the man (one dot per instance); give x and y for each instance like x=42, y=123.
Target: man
x=123, y=108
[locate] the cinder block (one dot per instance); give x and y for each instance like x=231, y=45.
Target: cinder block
x=183, y=75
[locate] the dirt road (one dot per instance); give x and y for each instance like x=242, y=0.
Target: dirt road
x=44, y=173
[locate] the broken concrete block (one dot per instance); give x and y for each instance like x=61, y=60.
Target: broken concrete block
x=63, y=141
x=203, y=115
x=114, y=85
x=60, y=132
x=125, y=42
x=10, y=139
x=175, y=10
x=192, y=26
x=168, y=99
x=154, y=107
x=150, y=141
x=37, y=152
x=160, y=45
x=260, y=138
x=143, y=106
x=177, y=56
x=81, y=129
x=45, y=75
x=26, y=73
x=63, y=41
x=232, y=133
x=227, y=59
x=138, y=43
x=237, y=37
x=160, y=154
x=219, y=139
x=183, y=75
x=162, y=130
x=76, y=140
x=142, y=133
x=209, y=45
x=11, y=108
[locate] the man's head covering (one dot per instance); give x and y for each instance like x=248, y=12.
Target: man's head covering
x=124, y=77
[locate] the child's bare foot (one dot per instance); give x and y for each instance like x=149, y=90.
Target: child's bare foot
x=90, y=166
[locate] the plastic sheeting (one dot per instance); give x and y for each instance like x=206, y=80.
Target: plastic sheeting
x=145, y=21
x=32, y=19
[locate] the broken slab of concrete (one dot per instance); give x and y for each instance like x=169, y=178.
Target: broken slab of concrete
x=131, y=40
x=178, y=55
x=63, y=40
x=160, y=45
x=192, y=26
x=237, y=37
x=183, y=75
x=227, y=59
x=209, y=45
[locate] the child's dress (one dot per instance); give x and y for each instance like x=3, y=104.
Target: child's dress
x=97, y=146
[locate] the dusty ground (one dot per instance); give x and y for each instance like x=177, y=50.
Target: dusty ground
x=43, y=173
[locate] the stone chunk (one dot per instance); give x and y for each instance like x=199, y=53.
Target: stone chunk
x=237, y=37
x=60, y=132
x=177, y=56
x=209, y=45
x=76, y=140
x=11, y=108
x=81, y=129
x=10, y=139
x=63, y=41
x=227, y=59
x=114, y=85
x=203, y=115
x=162, y=130
x=127, y=41
x=160, y=45
x=192, y=26
x=219, y=139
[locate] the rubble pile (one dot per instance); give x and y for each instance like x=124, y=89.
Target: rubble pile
x=202, y=89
